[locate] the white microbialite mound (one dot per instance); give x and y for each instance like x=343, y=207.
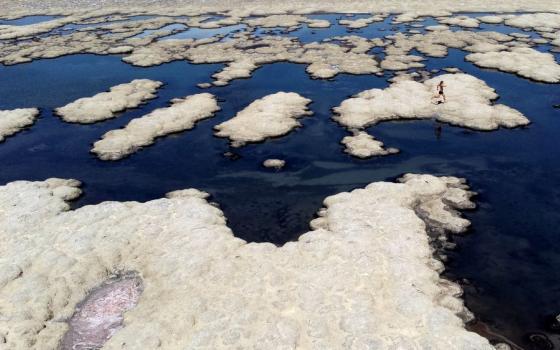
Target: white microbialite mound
x=364, y=277
x=363, y=145
x=469, y=104
x=13, y=121
x=523, y=61
x=182, y=115
x=535, y=20
x=361, y=22
x=274, y=163
x=105, y=105
x=462, y=21
x=271, y=116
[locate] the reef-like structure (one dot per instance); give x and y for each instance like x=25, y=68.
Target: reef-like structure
x=182, y=115
x=523, y=61
x=106, y=105
x=364, y=276
x=274, y=163
x=363, y=145
x=271, y=116
x=469, y=104
x=15, y=120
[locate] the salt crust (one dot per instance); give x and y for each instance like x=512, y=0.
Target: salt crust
x=106, y=105
x=182, y=115
x=469, y=104
x=271, y=116
x=363, y=145
x=526, y=62
x=15, y=120
x=363, y=277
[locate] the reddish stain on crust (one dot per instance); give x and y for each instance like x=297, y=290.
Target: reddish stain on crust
x=100, y=315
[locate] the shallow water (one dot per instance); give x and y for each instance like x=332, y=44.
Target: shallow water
x=22, y=21
x=510, y=257
x=202, y=33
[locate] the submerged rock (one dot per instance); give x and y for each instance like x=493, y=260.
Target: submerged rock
x=469, y=104
x=182, y=115
x=364, y=276
x=271, y=116
x=105, y=105
x=15, y=120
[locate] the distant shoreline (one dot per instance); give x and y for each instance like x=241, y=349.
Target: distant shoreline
x=16, y=7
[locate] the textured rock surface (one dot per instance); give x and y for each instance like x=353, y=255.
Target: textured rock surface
x=271, y=116
x=13, y=121
x=462, y=21
x=274, y=163
x=364, y=277
x=363, y=145
x=524, y=61
x=101, y=314
x=361, y=22
x=468, y=104
x=492, y=19
x=243, y=52
x=182, y=115
x=105, y=105
x=535, y=20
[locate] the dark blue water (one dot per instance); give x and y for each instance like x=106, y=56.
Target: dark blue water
x=510, y=257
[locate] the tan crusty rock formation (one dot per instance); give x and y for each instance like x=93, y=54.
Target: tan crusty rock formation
x=363, y=145
x=523, y=61
x=274, y=163
x=364, y=277
x=271, y=116
x=106, y=105
x=15, y=120
x=182, y=115
x=469, y=104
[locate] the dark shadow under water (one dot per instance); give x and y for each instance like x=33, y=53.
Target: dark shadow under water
x=510, y=257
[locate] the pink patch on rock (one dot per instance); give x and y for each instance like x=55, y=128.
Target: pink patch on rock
x=100, y=315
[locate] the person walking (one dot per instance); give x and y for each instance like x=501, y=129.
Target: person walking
x=440, y=92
